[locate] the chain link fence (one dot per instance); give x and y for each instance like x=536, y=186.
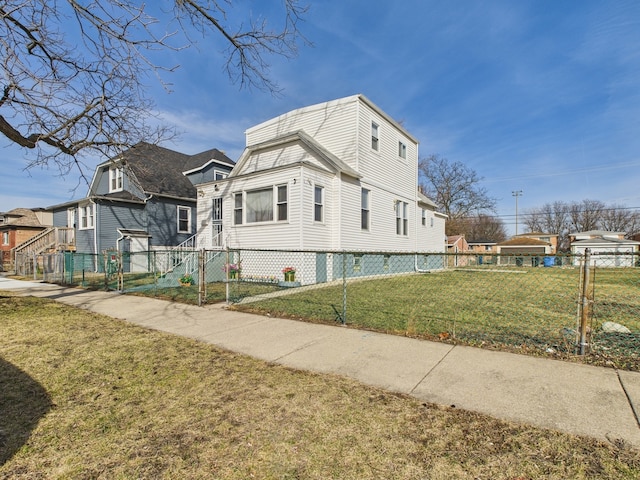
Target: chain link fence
x=553, y=305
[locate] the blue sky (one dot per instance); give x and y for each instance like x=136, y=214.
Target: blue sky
x=538, y=96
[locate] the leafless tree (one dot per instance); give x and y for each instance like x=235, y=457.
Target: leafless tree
x=486, y=228
x=454, y=187
x=586, y=215
x=618, y=218
x=551, y=218
x=73, y=73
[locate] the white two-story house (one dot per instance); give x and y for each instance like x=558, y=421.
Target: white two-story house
x=336, y=176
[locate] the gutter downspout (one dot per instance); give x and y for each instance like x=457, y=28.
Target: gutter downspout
x=95, y=232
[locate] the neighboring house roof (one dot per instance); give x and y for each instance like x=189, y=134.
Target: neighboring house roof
x=523, y=241
x=21, y=217
x=300, y=136
x=158, y=170
x=452, y=239
x=481, y=242
x=604, y=241
x=201, y=160
x=597, y=233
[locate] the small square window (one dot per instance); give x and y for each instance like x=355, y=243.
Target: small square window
x=402, y=150
x=357, y=262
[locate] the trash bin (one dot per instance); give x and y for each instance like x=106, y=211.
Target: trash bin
x=549, y=261
x=519, y=261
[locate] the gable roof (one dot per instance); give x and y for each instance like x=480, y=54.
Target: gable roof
x=203, y=159
x=328, y=158
x=523, y=241
x=21, y=217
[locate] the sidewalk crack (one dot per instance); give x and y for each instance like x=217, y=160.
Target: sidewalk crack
x=629, y=401
x=433, y=368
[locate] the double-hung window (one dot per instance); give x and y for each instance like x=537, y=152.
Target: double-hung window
x=424, y=217
x=86, y=217
x=237, y=209
x=283, y=203
x=116, y=179
x=184, y=219
x=365, y=211
x=375, y=136
x=5, y=238
x=402, y=220
x=318, y=204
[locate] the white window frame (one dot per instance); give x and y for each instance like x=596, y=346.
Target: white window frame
x=281, y=211
x=402, y=149
x=86, y=217
x=318, y=203
x=5, y=238
x=424, y=218
x=238, y=208
x=116, y=178
x=365, y=209
x=375, y=136
x=278, y=210
x=179, y=209
x=219, y=175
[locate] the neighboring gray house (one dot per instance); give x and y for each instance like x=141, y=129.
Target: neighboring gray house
x=140, y=200
x=609, y=249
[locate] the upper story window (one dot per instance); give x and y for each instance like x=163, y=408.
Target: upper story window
x=365, y=212
x=402, y=220
x=424, y=218
x=261, y=205
x=402, y=150
x=184, y=219
x=219, y=175
x=318, y=204
x=375, y=136
x=5, y=238
x=116, y=179
x=86, y=216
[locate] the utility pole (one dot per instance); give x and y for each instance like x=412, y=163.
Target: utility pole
x=516, y=193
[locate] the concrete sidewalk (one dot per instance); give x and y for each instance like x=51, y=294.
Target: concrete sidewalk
x=599, y=402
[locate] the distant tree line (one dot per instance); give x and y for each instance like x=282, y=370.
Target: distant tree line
x=455, y=188
x=563, y=218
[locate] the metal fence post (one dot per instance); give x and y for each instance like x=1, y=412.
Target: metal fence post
x=226, y=269
x=201, y=277
x=584, y=304
x=344, y=287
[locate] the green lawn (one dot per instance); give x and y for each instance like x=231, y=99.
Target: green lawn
x=531, y=309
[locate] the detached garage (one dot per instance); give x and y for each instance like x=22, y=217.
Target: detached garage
x=523, y=252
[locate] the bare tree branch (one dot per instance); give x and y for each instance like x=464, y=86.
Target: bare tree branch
x=72, y=72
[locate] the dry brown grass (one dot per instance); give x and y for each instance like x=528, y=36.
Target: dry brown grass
x=87, y=396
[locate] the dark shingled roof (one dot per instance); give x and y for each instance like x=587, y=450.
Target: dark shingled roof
x=159, y=170
x=200, y=159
